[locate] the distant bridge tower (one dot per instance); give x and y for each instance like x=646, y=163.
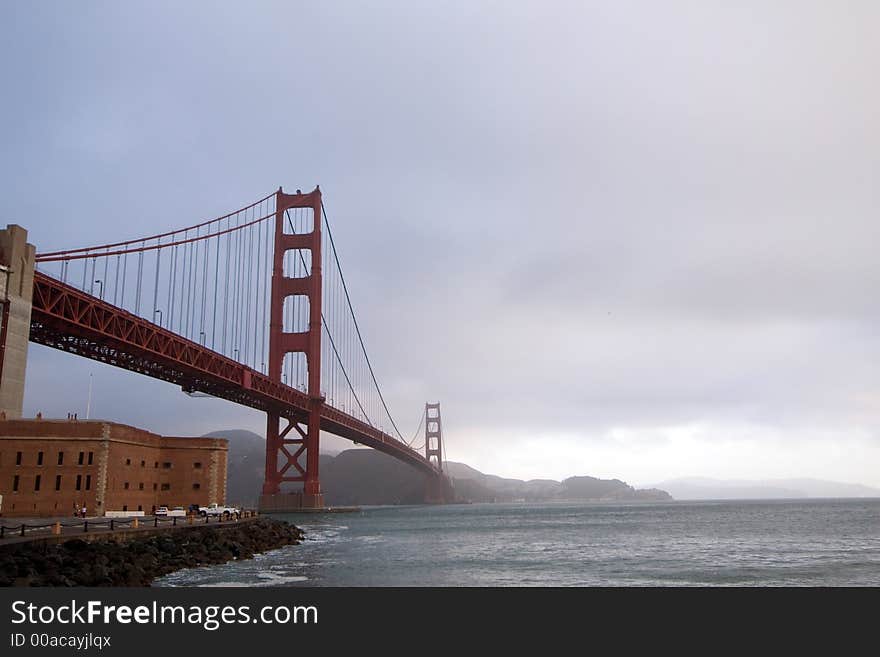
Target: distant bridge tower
x=438, y=488
x=433, y=436
x=295, y=440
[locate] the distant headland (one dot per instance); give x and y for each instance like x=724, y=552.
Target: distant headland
x=367, y=477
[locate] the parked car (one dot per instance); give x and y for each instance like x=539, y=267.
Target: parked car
x=161, y=511
x=218, y=510
x=177, y=511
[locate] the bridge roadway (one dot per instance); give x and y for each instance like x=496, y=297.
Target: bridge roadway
x=71, y=320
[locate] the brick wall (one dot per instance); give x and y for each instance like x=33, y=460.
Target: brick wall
x=106, y=466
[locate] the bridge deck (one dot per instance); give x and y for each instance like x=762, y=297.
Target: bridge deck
x=68, y=319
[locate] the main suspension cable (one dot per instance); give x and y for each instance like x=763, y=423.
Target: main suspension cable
x=356, y=327
x=419, y=428
x=330, y=335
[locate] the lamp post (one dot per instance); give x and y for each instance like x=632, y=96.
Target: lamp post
x=89, y=402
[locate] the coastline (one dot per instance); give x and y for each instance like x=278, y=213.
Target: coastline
x=138, y=560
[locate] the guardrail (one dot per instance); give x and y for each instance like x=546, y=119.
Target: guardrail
x=112, y=524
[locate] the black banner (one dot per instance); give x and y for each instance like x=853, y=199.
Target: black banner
x=287, y=620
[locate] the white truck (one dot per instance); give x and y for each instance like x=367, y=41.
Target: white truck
x=219, y=510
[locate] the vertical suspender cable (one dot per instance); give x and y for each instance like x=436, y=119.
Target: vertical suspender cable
x=124, y=272
x=156, y=290
x=234, y=327
x=192, y=292
x=116, y=280
x=248, y=293
x=139, y=280
x=202, y=335
x=216, y=285
x=104, y=283
x=172, y=291
x=267, y=284
x=226, y=287
x=259, y=265
x=184, y=286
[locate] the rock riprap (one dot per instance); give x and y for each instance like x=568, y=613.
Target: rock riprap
x=137, y=561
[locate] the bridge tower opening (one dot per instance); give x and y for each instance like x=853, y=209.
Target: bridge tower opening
x=292, y=453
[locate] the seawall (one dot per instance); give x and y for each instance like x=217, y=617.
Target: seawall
x=136, y=558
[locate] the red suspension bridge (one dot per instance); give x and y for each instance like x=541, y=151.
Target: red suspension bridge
x=251, y=307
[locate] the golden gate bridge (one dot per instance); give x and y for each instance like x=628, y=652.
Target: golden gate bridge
x=251, y=307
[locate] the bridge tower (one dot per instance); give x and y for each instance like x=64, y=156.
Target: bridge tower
x=433, y=436
x=16, y=290
x=438, y=488
x=300, y=437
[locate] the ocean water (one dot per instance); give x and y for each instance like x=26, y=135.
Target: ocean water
x=724, y=543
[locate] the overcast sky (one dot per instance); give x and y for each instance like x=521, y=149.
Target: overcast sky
x=628, y=239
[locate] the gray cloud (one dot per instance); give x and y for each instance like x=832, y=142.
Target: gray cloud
x=563, y=219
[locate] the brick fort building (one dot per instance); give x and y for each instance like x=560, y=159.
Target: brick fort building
x=52, y=467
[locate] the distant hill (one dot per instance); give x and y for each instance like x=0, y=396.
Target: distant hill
x=478, y=487
x=701, y=488
x=246, y=463
x=489, y=488
x=365, y=476
x=590, y=488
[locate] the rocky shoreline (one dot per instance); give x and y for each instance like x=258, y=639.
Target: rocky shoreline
x=137, y=561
